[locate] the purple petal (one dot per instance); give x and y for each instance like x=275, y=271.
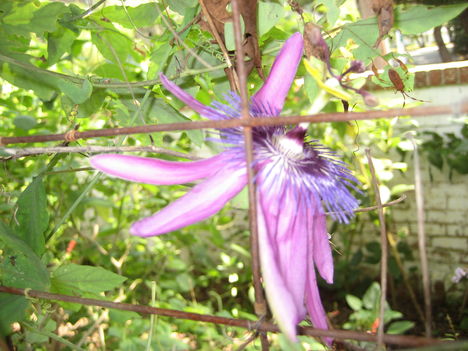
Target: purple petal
x=156, y=171
x=190, y=101
x=322, y=252
x=291, y=241
x=280, y=300
x=273, y=93
x=204, y=200
x=314, y=304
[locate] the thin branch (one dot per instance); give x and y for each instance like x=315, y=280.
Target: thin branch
x=221, y=43
x=30, y=151
x=179, y=39
x=260, y=303
x=373, y=208
x=402, y=340
x=384, y=258
x=240, y=122
x=422, y=238
x=88, y=11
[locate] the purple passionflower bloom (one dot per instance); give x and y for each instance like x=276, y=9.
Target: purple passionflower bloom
x=297, y=180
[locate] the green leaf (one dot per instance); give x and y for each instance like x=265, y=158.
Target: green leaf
x=354, y=302
x=130, y=17
x=32, y=215
x=20, y=267
x=29, y=80
x=229, y=34
x=12, y=308
x=180, y=6
x=113, y=45
x=25, y=122
x=400, y=327
x=363, y=33
x=269, y=14
x=371, y=298
x=78, y=279
x=27, y=18
x=77, y=93
x=45, y=19
x=420, y=18
x=58, y=43
x=333, y=11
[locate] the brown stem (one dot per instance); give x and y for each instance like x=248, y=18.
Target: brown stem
x=260, y=303
x=422, y=239
x=384, y=258
x=402, y=340
x=462, y=107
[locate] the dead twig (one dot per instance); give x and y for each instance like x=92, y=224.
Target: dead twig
x=424, y=111
x=384, y=258
x=422, y=239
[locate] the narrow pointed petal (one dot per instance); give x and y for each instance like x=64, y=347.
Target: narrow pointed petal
x=322, y=251
x=312, y=296
x=156, y=171
x=272, y=94
x=190, y=101
x=291, y=238
x=279, y=298
x=203, y=201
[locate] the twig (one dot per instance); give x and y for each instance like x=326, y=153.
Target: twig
x=373, y=208
x=179, y=39
x=384, y=258
x=187, y=26
x=424, y=111
x=221, y=44
x=88, y=11
x=403, y=340
x=260, y=303
x=30, y=151
x=422, y=238
x=246, y=343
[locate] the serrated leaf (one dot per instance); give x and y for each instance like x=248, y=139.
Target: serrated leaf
x=421, y=18
x=29, y=18
x=32, y=215
x=269, y=14
x=363, y=33
x=78, y=279
x=130, y=17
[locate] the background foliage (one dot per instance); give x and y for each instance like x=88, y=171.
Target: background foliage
x=64, y=227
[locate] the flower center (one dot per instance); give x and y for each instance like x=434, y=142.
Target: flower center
x=291, y=148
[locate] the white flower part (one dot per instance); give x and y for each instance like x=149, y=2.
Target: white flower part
x=289, y=147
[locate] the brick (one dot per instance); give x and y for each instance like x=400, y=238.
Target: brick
x=437, y=216
x=421, y=79
x=463, y=71
x=455, y=243
x=435, y=77
x=435, y=229
x=450, y=76
x=457, y=230
x=457, y=203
